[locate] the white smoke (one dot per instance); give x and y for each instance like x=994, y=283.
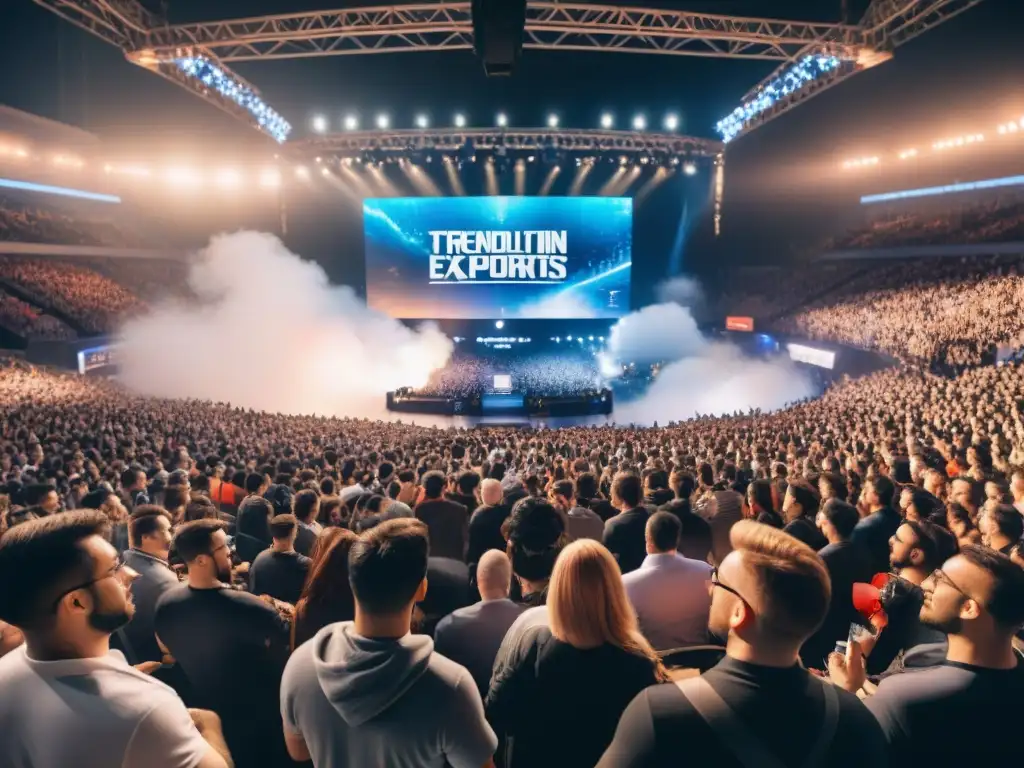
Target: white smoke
x=700, y=376
x=270, y=332
x=655, y=333
x=681, y=290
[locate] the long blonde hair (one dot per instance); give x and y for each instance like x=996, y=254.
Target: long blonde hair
x=587, y=603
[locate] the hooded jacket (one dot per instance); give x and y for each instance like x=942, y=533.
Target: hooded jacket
x=366, y=701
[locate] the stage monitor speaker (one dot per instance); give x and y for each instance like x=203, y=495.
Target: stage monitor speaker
x=498, y=28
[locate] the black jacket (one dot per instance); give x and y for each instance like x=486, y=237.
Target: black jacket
x=559, y=705
x=847, y=564
x=874, y=532
x=624, y=535
x=448, y=524
x=804, y=529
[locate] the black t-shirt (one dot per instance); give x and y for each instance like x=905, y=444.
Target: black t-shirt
x=232, y=647
x=783, y=708
x=279, y=574
x=951, y=715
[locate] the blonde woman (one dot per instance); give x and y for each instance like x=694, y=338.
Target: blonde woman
x=559, y=700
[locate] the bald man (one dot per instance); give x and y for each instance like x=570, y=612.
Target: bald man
x=471, y=636
x=485, y=523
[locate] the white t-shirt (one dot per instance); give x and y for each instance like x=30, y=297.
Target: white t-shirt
x=91, y=713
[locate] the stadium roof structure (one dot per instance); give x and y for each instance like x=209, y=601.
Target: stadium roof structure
x=812, y=56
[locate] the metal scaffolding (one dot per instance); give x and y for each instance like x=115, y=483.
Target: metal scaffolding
x=886, y=24
x=452, y=140
x=150, y=41
x=549, y=25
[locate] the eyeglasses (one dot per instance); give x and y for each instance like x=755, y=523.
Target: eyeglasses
x=939, y=576
x=714, y=582
x=120, y=569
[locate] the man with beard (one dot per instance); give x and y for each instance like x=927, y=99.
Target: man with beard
x=230, y=645
x=757, y=706
x=66, y=699
x=977, y=600
x=915, y=550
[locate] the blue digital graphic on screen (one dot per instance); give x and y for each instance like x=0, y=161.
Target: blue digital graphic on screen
x=499, y=257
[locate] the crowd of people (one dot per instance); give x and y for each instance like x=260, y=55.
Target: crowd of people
x=191, y=583
x=950, y=312
x=29, y=322
x=470, y=373
x=89, y=298
x=997, y=220
x=24, y=224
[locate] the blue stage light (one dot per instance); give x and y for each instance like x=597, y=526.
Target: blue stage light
x=805, y=71
x=212, y=76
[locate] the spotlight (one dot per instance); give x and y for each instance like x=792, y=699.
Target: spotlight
x=552, y=121
x=325, y=172
x=320, y=124
x=499, y=324
x=422, y=121
x=460, y=120
x=302, y=172
x=501, y=120
x=383, y=121
x=639, y=123
x=351, y=122
x=607, y=121
x=690, y=169
x=671, y=122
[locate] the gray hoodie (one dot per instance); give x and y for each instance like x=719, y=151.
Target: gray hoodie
x=361, y=701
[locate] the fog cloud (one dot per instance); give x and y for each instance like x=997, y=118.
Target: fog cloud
x=268, y=331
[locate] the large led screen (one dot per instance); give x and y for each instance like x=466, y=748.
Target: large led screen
x=498, y=257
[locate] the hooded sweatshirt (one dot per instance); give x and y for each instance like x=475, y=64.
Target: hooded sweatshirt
x=362, y=701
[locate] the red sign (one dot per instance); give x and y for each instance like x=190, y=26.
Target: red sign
x=739, y=324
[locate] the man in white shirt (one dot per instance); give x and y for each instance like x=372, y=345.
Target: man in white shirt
x=66, y=699
x=668, y=591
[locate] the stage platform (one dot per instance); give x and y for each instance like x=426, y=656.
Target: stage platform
x=509, y=405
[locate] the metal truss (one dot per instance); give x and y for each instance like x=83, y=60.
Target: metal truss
x=430, y=26
x=127, y=25
x=886, y=24
x=513, y=140
x=549, y=25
